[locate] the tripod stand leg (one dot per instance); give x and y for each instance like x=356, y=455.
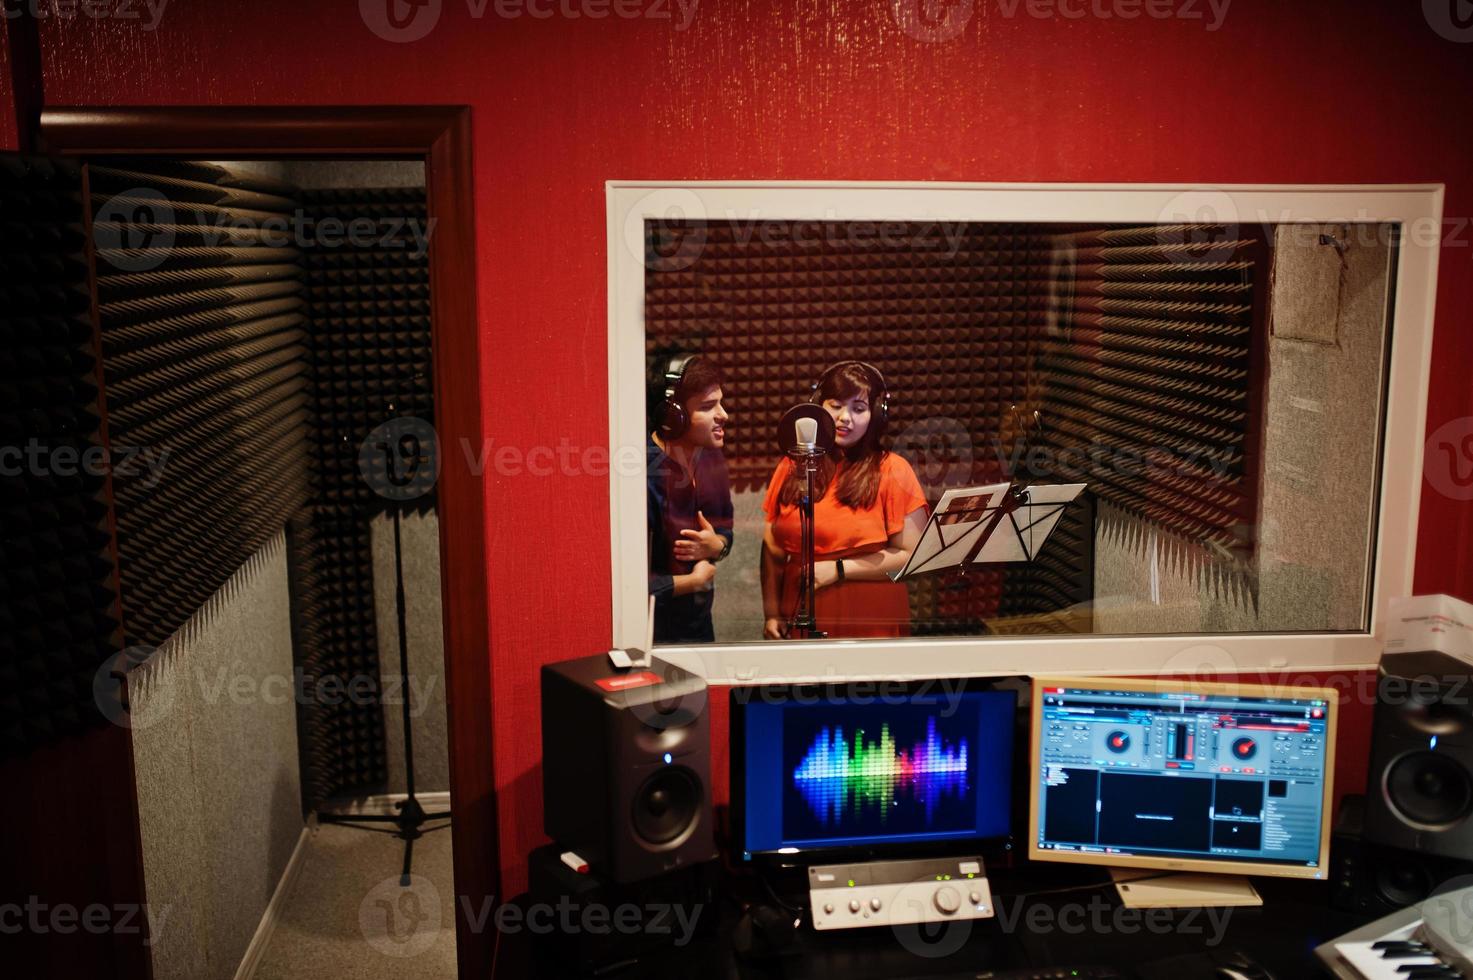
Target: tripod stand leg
x=408, y=860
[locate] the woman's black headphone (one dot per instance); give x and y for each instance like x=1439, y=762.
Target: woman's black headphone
x=879, y=393
x=671, y=419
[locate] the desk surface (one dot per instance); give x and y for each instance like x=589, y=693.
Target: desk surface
x=1046, y=916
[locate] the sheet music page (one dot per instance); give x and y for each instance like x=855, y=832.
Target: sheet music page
x=951, y=532
x=1020, y=537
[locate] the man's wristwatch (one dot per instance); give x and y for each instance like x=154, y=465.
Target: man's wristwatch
x=839, y=564
x=725, y=548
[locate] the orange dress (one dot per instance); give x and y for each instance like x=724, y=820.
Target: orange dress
x=848, y=608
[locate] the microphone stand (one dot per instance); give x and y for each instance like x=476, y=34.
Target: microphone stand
x=412, y=815
x=804, y=624
x=805, y=435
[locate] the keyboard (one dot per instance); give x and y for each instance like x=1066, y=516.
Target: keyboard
x=1425, y=942
x=1041, y=973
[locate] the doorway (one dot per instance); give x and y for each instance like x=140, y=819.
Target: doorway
x=440, y=138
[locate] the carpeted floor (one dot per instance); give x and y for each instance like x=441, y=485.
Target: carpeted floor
x=347, y=917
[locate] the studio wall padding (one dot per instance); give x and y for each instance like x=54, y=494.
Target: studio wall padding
x=368, y=346
x=342, y=738
x=202, y=317
x=57, y=586
x=368, y=296
x=1148, y=374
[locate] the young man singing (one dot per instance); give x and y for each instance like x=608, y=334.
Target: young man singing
x=689, y=497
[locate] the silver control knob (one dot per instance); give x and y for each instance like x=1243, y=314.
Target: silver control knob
x=946, y=900
x=854, y=905
x=976, y=898
x=828, y=908
x=874, y=903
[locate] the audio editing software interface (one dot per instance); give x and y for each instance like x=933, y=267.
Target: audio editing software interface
x=1182, y=775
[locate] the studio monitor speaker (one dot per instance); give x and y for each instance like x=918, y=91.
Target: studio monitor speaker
x=626, y=766
x=1373, y=879
x=1419, y=790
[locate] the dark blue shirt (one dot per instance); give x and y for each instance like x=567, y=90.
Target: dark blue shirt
x=674, y=497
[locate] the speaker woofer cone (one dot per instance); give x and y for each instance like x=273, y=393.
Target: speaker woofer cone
x=1403, y=883
x=1429, y=790
x=667, y=805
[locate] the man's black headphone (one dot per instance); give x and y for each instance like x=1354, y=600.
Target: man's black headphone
x=879, y=393
x=671, y=419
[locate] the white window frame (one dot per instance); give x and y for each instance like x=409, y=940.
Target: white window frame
x=1417, y=207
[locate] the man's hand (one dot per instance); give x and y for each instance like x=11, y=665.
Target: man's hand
x=705, y=576
x=774, y=628
x=699, y=545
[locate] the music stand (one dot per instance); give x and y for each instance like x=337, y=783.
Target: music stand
x=992, y=524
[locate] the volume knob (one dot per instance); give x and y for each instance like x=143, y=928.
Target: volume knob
x=946, y=900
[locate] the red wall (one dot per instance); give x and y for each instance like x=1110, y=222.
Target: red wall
x=9, y=138
x=1282, y=92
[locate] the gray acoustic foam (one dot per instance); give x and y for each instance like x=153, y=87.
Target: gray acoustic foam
x=215, y=759
x=426, y=628
x=737, y=614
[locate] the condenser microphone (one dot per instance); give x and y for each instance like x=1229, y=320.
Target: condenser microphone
x=805, y=432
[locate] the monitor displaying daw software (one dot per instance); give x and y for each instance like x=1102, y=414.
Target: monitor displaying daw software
x=1182, y=775
x=826, y=769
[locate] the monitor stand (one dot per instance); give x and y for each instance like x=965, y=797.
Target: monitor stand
x=1140, y=888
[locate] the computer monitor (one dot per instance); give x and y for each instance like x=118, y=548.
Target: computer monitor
x=1182, y=775
x=867, y=771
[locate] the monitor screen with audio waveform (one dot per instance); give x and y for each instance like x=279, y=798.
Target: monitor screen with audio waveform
x=930, y=765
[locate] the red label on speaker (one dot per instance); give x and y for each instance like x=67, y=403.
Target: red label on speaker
x=623, y=682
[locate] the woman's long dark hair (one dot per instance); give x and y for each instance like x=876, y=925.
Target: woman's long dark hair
x=859, y=483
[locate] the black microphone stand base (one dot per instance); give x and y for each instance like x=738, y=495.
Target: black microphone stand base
x=411, y=815
x=410, y=818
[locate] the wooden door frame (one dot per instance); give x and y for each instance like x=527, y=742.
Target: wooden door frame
x=441, y=136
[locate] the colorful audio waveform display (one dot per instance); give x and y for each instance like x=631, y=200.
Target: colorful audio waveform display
x=839, y=780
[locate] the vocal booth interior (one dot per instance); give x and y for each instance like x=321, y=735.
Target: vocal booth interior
x=257, y=323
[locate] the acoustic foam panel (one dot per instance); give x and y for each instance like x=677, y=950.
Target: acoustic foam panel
x=1150, y=356
x=368, y=349
x=57, y=584
x=202, y=324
